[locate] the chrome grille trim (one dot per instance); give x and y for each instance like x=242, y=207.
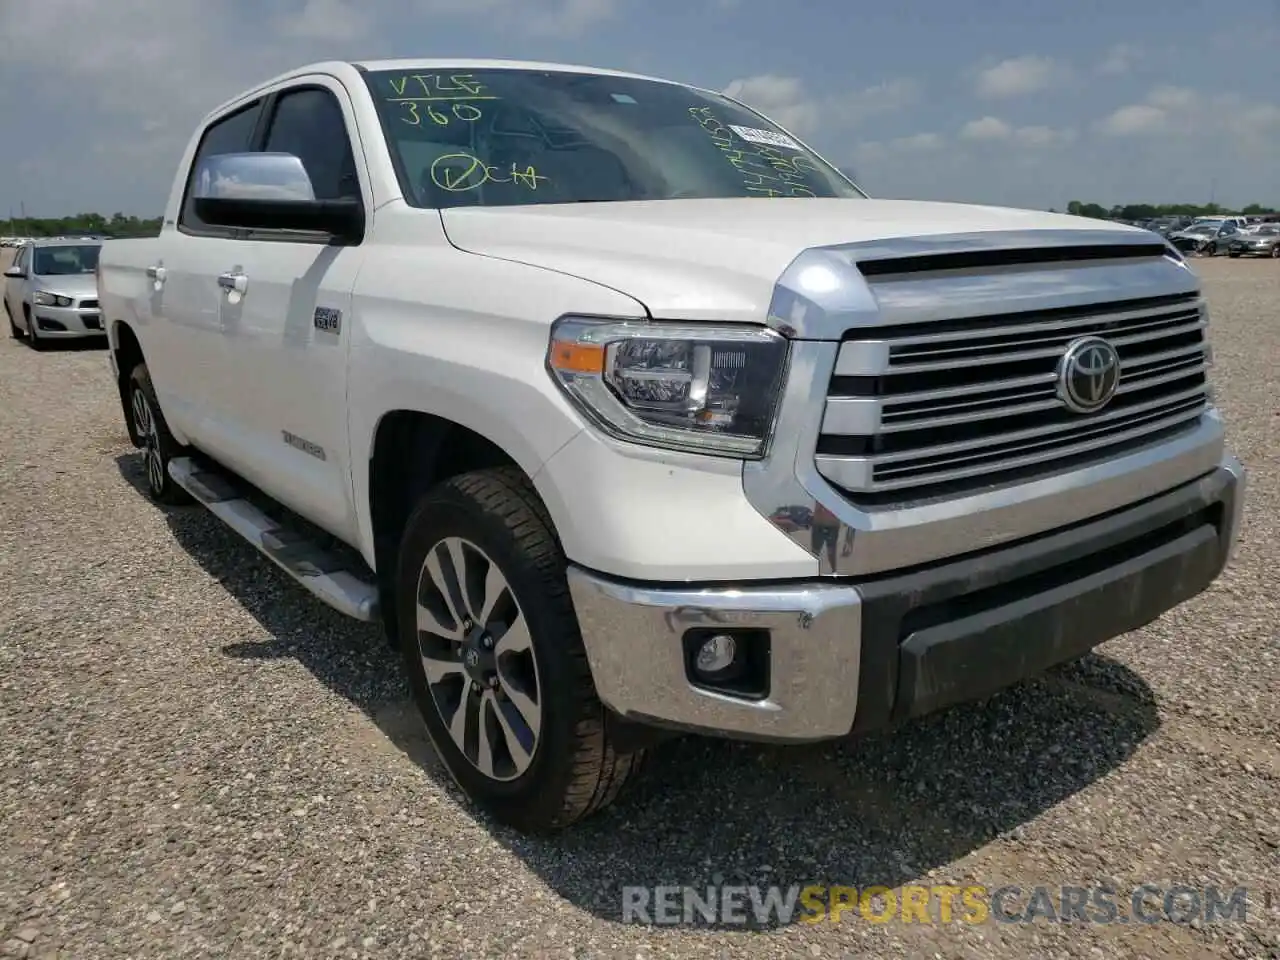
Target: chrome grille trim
x=913, y=408
x=825, y=297
x=873, y=358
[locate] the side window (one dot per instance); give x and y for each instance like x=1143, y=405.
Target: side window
x=231, y=134
x=308, y=123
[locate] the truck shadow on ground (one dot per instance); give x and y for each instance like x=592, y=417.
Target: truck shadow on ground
x=883, y=810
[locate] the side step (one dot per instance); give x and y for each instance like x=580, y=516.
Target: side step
x=323, y=572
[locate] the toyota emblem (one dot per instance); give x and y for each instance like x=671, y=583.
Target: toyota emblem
x=1088, y=374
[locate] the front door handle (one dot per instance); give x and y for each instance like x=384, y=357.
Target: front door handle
x=156, y=273
x=235, y=282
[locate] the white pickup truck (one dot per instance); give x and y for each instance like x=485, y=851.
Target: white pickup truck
x=626, y=413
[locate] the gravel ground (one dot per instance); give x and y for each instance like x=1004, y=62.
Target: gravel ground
x=199, y=760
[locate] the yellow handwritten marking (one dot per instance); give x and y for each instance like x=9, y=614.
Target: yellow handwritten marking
x=466, y=82
x=761, y=165
x=434, y=84
x=413, y=116
x=458, y=180
x=527, y=178
x=474, y=173
x=437, y=99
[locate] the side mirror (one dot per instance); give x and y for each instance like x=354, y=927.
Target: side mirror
x=15, y=273
x=270, y=191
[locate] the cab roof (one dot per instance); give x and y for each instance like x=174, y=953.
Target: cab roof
x=341, y=67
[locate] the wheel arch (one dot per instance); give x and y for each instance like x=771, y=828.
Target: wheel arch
x=412, y=451
x=126, y=352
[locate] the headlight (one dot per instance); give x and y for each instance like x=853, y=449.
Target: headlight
x=42, y=299
x=708, y=389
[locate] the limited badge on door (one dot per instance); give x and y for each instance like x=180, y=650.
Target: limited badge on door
x=328, y=319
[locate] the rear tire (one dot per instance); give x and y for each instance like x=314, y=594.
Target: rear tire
x=533, y=746
x=158, y=445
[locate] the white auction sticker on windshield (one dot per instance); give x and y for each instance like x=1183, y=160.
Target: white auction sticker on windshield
x=756, y=135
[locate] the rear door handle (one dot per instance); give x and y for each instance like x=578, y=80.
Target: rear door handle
x=156, y=273
x=236, y=282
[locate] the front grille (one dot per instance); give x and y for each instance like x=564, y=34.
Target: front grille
x=934, y=409
x=88, y=304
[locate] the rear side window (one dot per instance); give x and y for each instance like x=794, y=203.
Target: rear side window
x=230, y=134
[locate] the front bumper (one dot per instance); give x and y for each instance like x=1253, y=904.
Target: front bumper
x=61, y=322
x=853, y=656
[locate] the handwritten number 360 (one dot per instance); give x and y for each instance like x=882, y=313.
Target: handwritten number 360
x=462, y=111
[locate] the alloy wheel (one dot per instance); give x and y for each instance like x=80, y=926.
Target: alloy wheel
x=477, y=655
x=145, y=423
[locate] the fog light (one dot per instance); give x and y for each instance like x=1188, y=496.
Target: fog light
x=716, y=654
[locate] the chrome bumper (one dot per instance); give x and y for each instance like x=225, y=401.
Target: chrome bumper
x=855, y=656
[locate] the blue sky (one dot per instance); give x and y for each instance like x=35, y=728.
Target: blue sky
x=1020, y=102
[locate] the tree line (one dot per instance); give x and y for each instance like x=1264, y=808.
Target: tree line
x=1146, y=211
x=116, y=226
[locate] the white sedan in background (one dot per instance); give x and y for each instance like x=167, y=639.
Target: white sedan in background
x=51, y=291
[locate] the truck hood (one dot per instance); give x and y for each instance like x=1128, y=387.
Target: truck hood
x=715, y=259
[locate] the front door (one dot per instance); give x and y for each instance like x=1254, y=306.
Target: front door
x=285, y=303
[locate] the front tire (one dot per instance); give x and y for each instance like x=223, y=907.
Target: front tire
x=14, y=330
x=158, y=445
x=495, y=657
x=33, y=335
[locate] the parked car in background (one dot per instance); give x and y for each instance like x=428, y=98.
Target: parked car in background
x=51, y=291
x=1208, y=236
x=1167, y=225
x=1262, y=240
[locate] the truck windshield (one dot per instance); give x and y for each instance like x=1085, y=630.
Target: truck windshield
x=504, y=137
x=65, y=260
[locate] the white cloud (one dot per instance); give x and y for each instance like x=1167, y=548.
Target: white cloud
x=546, y=18
x=327, y=20
x=1121, y=58
x=993, y=129
x=787, y=101
x=987, y=128
x=873, y=152
x=1191, y=115
x=1173, y=99
x=917, y=142
x=1037, y=136
x=1019, y=76
x=1135, y=119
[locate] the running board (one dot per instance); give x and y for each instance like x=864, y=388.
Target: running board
x=320, y=571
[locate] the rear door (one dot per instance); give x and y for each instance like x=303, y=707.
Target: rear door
x=287, y=320
x=185, y=339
